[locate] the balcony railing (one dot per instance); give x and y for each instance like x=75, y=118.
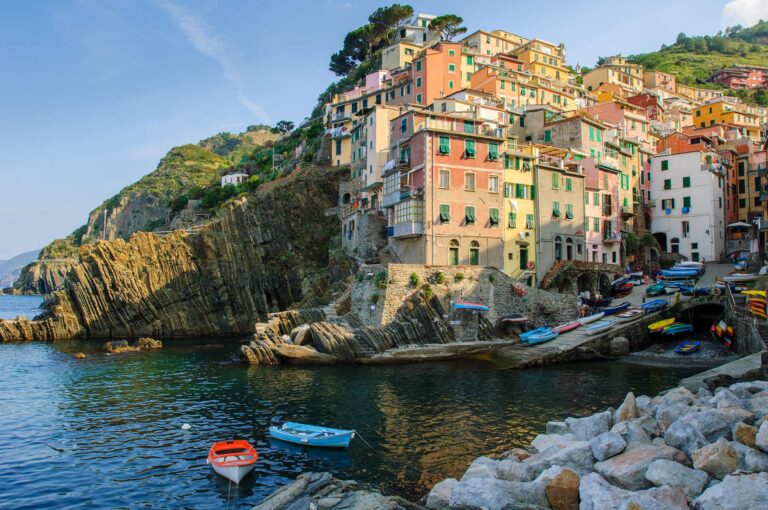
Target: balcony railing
x=340, y=116
x=613, y=237
x=408, y=229
x=477, y=127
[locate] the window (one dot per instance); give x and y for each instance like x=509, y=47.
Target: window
x=591, y=133
x=469, y=148
x=508, y=189
x=668, y=203
x=493, y=183
x=742, y=186
x=451, y=68
x=512, y=222
x=555, y=209
x=568, y=184
x=586, y=198
x=418, y=81
x=453, y=252
x=418, y=98
x=469, y=214
x=529, y=221
x=418, y=65
x=569, y=211
x=338, y=147
x=451, y=52
x=675, y=245
x=445, y=213
x=445, y=179
x=469, y=59
x=469, y=181
x=493, y=215
x=493, y=151
x=555, y=181
x=547, y=135
x=474, y=254
x=403, y=125
x=667, y=183
x=445, y=145
x=450, y=84
x=598, y=134
x=742, y=202
x=694, y=246
x=686, y=182
x=741, y=169
x=686, y=201
x=686, y=228
x=596, y=224
x=665, y=164
x=469, y=126
x=596, y=198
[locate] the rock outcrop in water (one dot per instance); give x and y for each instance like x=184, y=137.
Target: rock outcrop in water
x=265, y=253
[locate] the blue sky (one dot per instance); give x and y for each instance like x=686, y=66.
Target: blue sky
x=94, y=93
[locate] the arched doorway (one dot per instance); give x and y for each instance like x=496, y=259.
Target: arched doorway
x=585, y=282
x=453, y=252
x=661, y=238
x=474, y=253
x=558, y=248
x=569, y=249
x=346, y=198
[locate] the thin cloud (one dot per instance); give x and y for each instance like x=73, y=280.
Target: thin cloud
x=206, y=42
x=744, y=12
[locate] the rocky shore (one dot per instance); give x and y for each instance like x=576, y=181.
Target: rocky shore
x=678, y=450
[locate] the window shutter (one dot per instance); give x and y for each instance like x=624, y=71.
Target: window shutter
x=445, y=213
x=512, y=220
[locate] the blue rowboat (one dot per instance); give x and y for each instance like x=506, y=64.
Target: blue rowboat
x=676, y=329
x=310, y=435
x=611, y=310
x=656, y=289
x=679, y=273
x=540, y=338
x=654, y=305
x=538, y=331
x=687, y=347
x=681, y=283
x=470, y=306
x=600, y=326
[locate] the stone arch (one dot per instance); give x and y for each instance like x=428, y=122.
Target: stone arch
x=586, y=282
x=604, y=284
x=661, y=238
x=346, y=198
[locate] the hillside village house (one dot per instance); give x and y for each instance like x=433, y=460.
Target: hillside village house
x=741, y=77
x=601, y=212
x=726, y=111
x=617, y=71
x=235, y=179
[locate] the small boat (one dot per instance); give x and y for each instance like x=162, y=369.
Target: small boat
x=679, y=273
x=509, y=320
x=600, y=326
x=479, y=307
x=569, y=326
x=596, y=303
x=654, y=305
x=524, y=337
x=612, y=310
x=689, y=263
x=656, y=289
x=311, y=435
x=623, y=290
x=591, y=318
x=687, y=347
x=676, y=329
x=659, y=325
x=636, y=274
x=233, y=459
x=681, y=283
x=740, y=278
x=630, y=314
x=723, y=332
x=542, y=337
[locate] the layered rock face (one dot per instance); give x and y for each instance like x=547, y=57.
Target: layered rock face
x=265, y=253
x=44, y=276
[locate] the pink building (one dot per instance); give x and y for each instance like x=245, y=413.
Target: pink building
x=601, y=212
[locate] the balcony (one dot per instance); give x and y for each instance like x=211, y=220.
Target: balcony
x=760, y=168
x=409, y=229
x=738, y=245
x=340, y=116
x=477, y=127
x=612, y=238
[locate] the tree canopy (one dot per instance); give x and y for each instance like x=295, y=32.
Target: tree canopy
x=449, y=26
x=283, y=127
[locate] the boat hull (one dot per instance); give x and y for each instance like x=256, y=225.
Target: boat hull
x=524, y=337
x=340, y=440
x=612, y=310
x=234, y=473
x=564, y=328
x=544, y=337
x=591, y=318
x=630, y=315
x=687, y=347
x=599, y=327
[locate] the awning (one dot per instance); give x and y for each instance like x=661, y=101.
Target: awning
x=470, y=306
x=740, y=224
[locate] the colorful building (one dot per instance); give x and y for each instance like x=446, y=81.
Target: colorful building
x=544, y=59
x=441, y=70
x=617, y=71
x=601, y=212
x=741, y=77
x=398, y=55
x=730, y=113
x=520, y=210
x=491, y=43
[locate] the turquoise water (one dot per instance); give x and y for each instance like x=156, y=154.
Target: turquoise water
x=104, y=432
x=13, y=306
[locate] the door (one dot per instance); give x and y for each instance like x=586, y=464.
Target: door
x=454, y=256
x=524, y=258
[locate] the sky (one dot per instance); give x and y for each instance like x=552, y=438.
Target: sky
x=94, y=93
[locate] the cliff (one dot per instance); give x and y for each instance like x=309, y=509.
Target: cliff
x=266, y=252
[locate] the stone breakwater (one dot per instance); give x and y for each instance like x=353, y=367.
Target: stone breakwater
x=679, y=450
x=264, y=253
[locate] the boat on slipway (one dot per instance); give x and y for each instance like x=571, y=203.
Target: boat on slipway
x=600, y=326
x=568, y=326
x=591, y=318
x=538, y=331
x=630, y=314
x=540, y=338
x=612, y=310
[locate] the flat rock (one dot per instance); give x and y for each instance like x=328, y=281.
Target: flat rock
x=301, y=355
x=667, y=415
x=745, y=434
x=440, y=495
x=727, y=398
x=597, y=494
x=607, y=445
x=590, y=426
x=576, y=456
x=750, y=459
x=494, y=494
x=667, y=472
x=717, y=459
x=627, y=470
x=711, y=423
x=736, y=492
x=481, y=467
x=543, y=442
x=627, y=410
x=556, y=427
x=633, y=433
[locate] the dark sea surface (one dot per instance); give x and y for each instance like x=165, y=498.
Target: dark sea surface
x=13, y=306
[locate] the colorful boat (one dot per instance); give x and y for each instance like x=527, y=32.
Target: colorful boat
x=740, y=278
x=510, y=320
x=479, y=307
x=687, y=347
x=659, y=325
x=611, y=310
x=623, y=290
x=311, y=435
x=723, y=332
x=656, y=289
x=569, y=326
x=542, y=337
x=679, y=273
x=654, y=305
x=600, y=326
x=676, y=329
x=630, y=314
x=591, y=318
x=537, y=331
x=689, y=263
x=233, y=459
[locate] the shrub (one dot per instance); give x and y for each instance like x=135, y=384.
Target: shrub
x=440, y=277
x=380, y=279
x=178, y=203
x=491, y=278
x=414, y=279
x=458, y=277
x=359, y=277
x=427, y=290
x=374, y=299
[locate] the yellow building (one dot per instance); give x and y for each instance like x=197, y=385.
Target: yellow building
x=722, y=111
x=697, y=94
x=491, y=43
x=519, y=210
x=398, y=55
x=544, y=59
x=618, y=71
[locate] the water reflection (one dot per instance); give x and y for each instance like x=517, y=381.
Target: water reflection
x=117, y=419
